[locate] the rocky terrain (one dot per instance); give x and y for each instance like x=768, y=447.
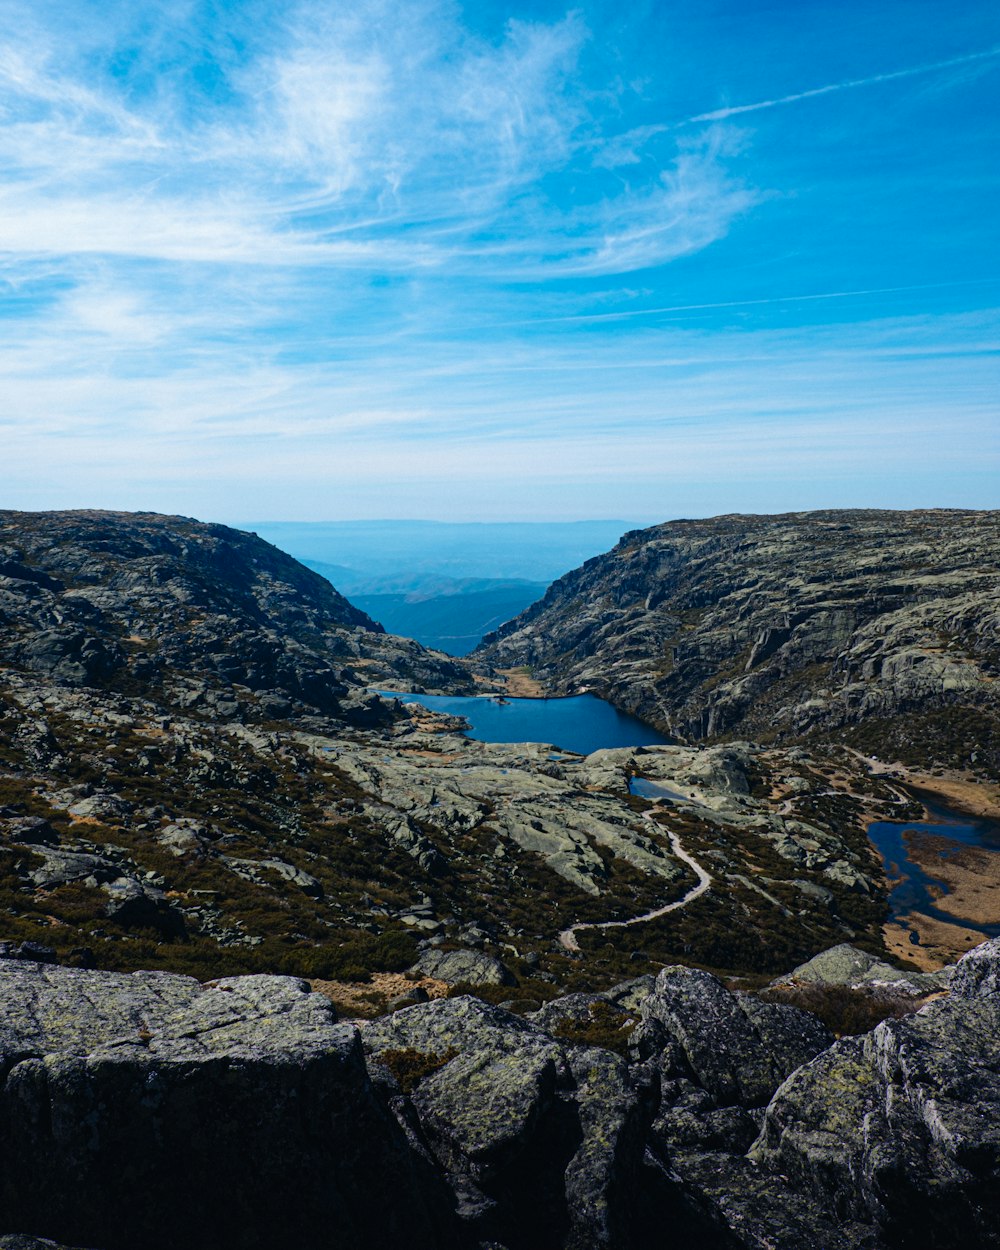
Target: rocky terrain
x=881, y=628
x=198, y=781
x=194, y=777
x=149, y=1109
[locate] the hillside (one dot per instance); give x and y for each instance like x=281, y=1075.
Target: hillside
x=193, y=776
x=203, y=614
x=880, y=628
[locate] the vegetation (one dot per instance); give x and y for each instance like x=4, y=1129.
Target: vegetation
x=409, y=1066
x=846, y=1011
x=606, y=1026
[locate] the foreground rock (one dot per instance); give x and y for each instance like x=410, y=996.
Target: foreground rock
x=670, y=1111
x=149, y=1110
x=902, y=1126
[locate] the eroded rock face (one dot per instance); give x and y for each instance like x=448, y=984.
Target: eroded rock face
x=902, y=1126
x=204, y=613
x=756, y=626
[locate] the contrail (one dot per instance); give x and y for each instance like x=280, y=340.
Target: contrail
x=720, y=114
x=746, y=303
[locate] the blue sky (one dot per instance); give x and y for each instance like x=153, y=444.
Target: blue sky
x=386, y=259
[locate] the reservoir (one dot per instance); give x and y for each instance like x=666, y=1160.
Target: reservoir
x=581, y=723
x=914, y=888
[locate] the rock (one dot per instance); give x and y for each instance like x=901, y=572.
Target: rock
x=846, y=965
x=464, y=967
x=543, y=1144
x=902, y=1126
x=739, y=1048
x=15, y=1241
x=34, y=952
x=977, y=974
x=150, y=1110
x=135, y=905
x=30, y=831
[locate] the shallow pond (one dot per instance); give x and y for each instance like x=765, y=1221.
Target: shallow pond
x=581, y=723
x=912, y=887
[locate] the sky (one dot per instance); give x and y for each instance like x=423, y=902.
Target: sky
x=409, y=258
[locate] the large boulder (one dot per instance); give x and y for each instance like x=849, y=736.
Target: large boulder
x=902, y=1125
x=544, y=1143
x=150, y=1110
x=738, y=1048
x=848, y=966
x=464, y=967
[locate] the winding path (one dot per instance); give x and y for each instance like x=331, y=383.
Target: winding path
x=568, y=936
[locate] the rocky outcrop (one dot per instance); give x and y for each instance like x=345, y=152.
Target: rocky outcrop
x=846, y=965
x=150, y=1110
x=212, y=617
x=760, y=627
x=146, y=1109
x=902, y=1126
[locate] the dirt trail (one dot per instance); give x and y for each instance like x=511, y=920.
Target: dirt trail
x=568, y=936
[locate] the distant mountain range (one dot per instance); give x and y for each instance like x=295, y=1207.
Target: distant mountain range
x=443, y=584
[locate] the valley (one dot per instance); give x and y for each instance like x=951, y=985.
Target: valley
x=242, y=825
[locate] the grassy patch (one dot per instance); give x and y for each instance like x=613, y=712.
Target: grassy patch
x=846, y=1011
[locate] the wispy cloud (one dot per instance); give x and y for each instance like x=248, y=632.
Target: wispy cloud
x=735, y=110
x=625, y=149
x=388, y=138
x=295, y=251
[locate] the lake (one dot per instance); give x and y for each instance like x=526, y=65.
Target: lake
x=581, y=723
x=912, y=889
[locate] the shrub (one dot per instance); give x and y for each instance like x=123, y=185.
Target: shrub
x=607, y=1027
x=845, y=1010
x=409, y=1066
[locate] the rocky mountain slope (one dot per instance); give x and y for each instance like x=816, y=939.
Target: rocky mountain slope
x=202, y=614
x=150, y=1110
x=881, y=627
x=193, y=777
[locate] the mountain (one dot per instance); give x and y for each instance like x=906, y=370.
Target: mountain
x=562, y=1029
x=194, y=776
x=454, y=617
x=125, y=601
x=879, y=628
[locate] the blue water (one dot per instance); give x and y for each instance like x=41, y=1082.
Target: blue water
x=912, y=889
x=647, y=789
x=580, y=724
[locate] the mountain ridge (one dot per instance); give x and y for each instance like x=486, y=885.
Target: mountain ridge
x=777, y=627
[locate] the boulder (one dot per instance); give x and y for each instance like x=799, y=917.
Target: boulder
x=464, y=967
x=150, y=1110
x=544, y=1143
x=848, y=966
x=901, y=1126
x=738, y=1048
